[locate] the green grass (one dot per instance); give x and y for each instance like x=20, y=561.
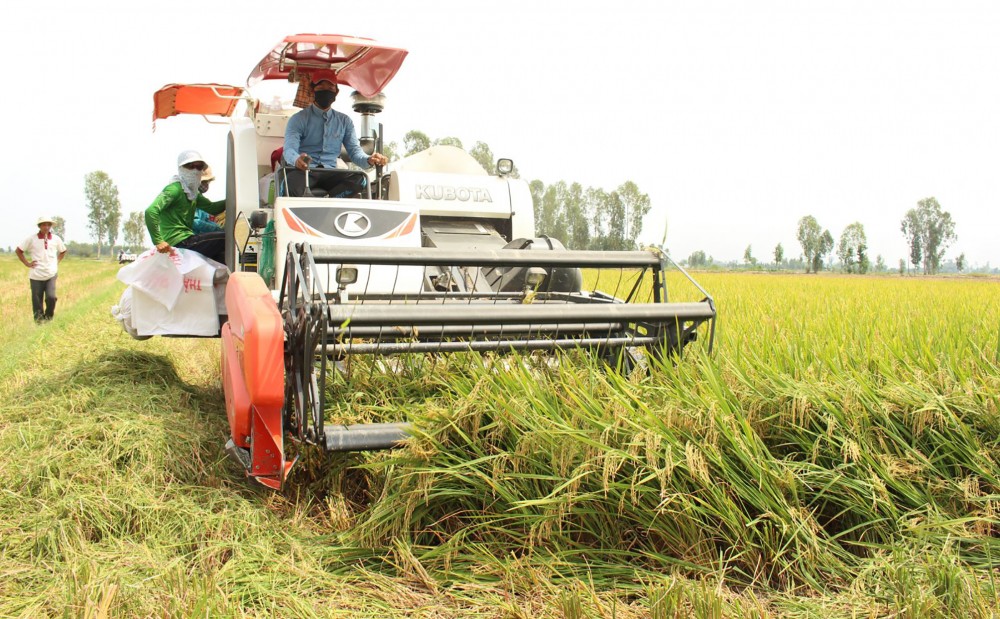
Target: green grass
x=835, y=457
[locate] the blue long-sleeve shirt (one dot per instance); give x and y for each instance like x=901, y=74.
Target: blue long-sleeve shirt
x=308, y=132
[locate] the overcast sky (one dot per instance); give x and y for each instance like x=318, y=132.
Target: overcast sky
x=737, y=118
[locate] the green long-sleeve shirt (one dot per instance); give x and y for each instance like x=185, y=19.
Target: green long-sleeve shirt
x=170, y=217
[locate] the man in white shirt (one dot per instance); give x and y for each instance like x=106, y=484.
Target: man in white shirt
x=42, y=253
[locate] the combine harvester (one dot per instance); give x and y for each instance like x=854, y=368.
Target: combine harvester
x=437, y=256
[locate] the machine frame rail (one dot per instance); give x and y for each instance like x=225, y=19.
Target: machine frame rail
x=324, y=326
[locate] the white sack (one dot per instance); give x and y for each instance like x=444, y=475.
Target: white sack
x=123, y=314
x=175, y=294
x=194, y=312
x=156, y=275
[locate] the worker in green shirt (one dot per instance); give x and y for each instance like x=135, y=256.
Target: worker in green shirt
x=170, y=218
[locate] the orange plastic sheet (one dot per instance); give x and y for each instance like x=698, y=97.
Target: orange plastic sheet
x=199, y=99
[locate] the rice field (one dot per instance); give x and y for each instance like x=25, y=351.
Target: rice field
x=836, y=456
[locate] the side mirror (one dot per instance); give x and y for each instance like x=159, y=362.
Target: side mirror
x=505, y=166
x=258, y=219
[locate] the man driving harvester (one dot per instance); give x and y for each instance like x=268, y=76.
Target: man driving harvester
x=313, y=139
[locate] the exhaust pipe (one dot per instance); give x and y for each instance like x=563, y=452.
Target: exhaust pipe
x=367, y=107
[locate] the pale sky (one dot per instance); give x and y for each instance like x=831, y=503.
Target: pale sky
x=737, y=118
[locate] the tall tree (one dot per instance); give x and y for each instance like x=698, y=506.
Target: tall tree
x=815, y=242
x=596, y=200
x=912, y=230
x=103, y=207
x=635, y=206
x=960, y=262
x=825, y=247
x=391, y=151
x=113, y=225
x=537, y=189
x=415, y=141
x=134, y=230
x=853, y=248
x=940, y=233
x=779, y=255
x=697, y=259
x=481, y=152
x=547, y=220
x=748, y=256
x=864, y=263
x=554, y=212
x=449, y=141
x=59, y=227
x=614, y=212
x=577, y=218
x=808, y=236
x=935, y=230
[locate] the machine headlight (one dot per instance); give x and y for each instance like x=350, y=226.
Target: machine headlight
x=535, y=276
x=347, y=274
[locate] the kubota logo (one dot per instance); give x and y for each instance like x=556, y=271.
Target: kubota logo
x=446, y=192
x=352, y=223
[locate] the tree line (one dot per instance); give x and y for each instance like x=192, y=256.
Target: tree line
x=593, y=218
x=929, y=231
x=581, y=218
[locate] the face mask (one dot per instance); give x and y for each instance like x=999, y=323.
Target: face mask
x=324, y=98
x=190, y=180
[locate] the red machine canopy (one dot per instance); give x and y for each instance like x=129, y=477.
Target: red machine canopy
x=360, y=63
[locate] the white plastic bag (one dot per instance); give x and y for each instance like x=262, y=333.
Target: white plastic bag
x=194, y=312
x=123, y=314
x=155, y=274
x=175, y=294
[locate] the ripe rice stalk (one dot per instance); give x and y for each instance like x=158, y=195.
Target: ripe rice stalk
x=834, y=457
